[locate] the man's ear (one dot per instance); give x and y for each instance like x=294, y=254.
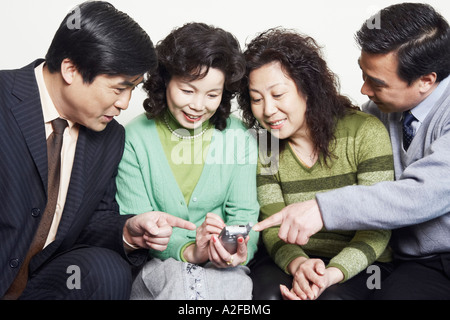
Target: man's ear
x=427, y=82
x=68, y=70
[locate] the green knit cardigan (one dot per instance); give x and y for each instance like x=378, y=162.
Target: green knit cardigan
x=226, y=186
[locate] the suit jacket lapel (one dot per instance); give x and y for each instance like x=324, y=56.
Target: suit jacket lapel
x=76, y=190
x=28, y=114
x=74, y=199
x=85, y=160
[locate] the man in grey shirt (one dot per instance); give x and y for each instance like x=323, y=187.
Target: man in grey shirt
x=406, y=67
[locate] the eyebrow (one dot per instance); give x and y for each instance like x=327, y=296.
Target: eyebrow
x=132, y=83
x=195, y=88
x=373, y=79
x=218, y=89
x=377, y=81
x=268, y=88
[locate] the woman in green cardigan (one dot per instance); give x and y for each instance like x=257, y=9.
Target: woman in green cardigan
x=189, y=157
x=325, y=143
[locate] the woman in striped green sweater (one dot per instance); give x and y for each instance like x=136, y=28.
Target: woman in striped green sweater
x=324, y=143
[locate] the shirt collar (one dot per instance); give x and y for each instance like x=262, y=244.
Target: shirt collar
x=421, y=111
x=48, y=108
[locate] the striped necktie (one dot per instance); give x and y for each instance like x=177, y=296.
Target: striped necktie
x=408, y=130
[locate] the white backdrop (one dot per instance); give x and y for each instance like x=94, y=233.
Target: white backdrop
x=27, y=27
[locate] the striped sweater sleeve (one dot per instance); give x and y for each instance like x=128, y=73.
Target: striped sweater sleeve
x=271, y=200
x=363, y=156
x=373, y=153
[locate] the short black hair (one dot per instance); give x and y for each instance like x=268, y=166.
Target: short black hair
x=105, y=41
x=419, y=35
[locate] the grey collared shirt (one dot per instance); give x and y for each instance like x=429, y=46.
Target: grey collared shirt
x=421, y=111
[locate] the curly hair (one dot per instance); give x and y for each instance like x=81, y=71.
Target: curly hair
x=189, y=52
x=300, y=58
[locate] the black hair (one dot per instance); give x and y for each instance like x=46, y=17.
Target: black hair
x=419, y=35
x=189, y=52
x=99, y=39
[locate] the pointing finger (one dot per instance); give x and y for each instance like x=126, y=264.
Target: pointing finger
x=179, y=223
x=273, y=220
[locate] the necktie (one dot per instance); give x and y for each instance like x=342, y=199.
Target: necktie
x=54, y=144
x=408, y=130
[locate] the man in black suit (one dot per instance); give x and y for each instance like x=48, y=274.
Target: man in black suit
x=97, y=57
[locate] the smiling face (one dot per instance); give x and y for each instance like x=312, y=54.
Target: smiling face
x=194, y=102
x=276, y=102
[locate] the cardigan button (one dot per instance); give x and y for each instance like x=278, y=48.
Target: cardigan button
x=194, y=199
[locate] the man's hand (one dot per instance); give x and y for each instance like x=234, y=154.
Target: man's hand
x=153, y=229
x=298, y=222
